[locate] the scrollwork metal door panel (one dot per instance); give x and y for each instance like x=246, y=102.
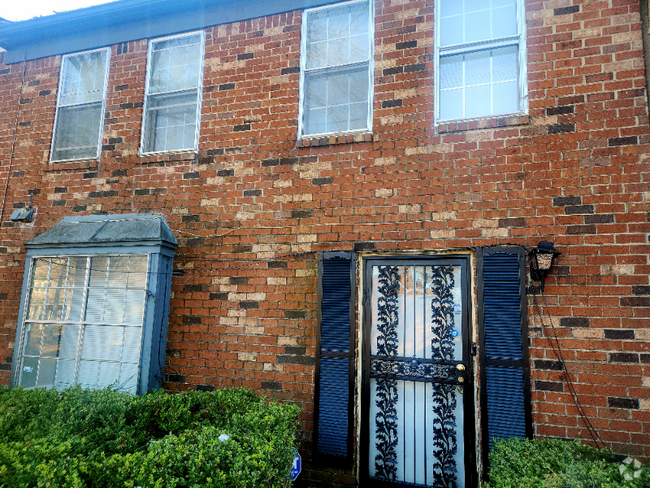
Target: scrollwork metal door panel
x=415, y=365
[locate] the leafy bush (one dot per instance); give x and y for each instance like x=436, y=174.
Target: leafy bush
x=554, y=463
x=102, y=438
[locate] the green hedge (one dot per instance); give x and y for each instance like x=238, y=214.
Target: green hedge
x=103, y=438
x=554, y=463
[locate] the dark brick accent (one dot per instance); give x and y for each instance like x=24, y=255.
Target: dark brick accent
x=34, y=83
x=406, y=45
x=548, y=365
x=645, y=358
x=252, y=193
x=103, y=194
x=580, y=229
x=191, y=176
x=322, y=181
x=190, y=218
x=635, y=302
x=123, y=48
x=291, y=359
x=288, y=71
x=121, y=87
x=25, y=124
x=89, y=176
x=115, y=140
x=566, y=109
x=19, y=205
x=3, y=296
x=176, y=378
x=249, y=305
x=549, y=386
x=58, y=203
x=301, y=214
x=119, y=172
x=393, y=71
x=24, y=101
x=579, y=209
x=560, y=201
x=619, y=334
x=295, y=314
x=204, y=387
x=566, y=10
x=271, y=385
x=241, y=249
x=560, y=128
x=270, y=162
x=44, y=93
x=599, y=219
x=391, y=103
x=226, y=172
x=4, y=71
x=574, y=322
x=18, y=174
x=365, y=246
x=627, y=403
x=191, y=319
x=215, y=152
x=241, y=57
x=295, y=349
x=238, y=280
x=5, y=367
x=641, y=290
x=60, y=189
x=241, y=127
x=219, y=296
x=277, y=265
x=414, y=67
x=514, y=222
x=142, y=191
x=195, y=241
x=623, y=357
x=195, y=288
x=622, y=141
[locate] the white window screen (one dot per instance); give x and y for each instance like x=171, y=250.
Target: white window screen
x=173, y=94
x=336, y=74
x=79, y=116
x=480, y=59
x=83, y=324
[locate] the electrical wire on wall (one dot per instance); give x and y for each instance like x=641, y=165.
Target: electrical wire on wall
x=557, y=351
x=13, y=142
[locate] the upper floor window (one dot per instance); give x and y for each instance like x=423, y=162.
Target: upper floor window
x=481, y=58
x=80, y=106
x=336, y=84
x=173, y=93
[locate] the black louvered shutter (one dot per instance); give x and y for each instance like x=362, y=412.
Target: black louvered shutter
x=335, y=366
x=505, y=380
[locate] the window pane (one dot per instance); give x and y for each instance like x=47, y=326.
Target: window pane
x=175, y=64
x=451, y=30
x=77, y=132
x=505, y=98
x=171, y=122
x=46, y=373
x=335, y=91
x=84, y=78
x=54, y=305
x=73, y=304
x=33, y=336
x=504, y=21
x=451, y=104
x=477, y=26
x=504, y=64
x=464, y=21
x=64, y=374
x=77, y=272
x=28, y=373
x=95, y=305
x=134, y=307
x=36, y=304
x=88, y=372
x=102, y=342
x=51, y=340
x=118, y=269
x=109, y=374
x=131, y=350
x=317, y=26
x=41, y=271
x=477, y=68
x=114, y=306
x=477, y=101
x=128, y=377
x=98, y=271
x=451, y=72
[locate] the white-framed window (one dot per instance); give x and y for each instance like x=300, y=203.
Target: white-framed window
x=83, y=322
x=480, y=59
x=80, y=105
x=173, y=93
x=336, y=69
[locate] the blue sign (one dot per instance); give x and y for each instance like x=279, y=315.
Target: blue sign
x=296, y=467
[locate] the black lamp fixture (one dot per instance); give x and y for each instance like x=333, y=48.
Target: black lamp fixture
x=541, y=260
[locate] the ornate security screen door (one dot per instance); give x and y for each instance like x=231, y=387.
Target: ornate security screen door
x=417, y=393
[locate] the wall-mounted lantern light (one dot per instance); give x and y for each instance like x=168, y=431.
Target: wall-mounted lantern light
x=541, y=260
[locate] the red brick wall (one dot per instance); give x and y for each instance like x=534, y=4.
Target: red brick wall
x=244, y=314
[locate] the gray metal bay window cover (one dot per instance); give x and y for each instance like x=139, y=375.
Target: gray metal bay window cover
x=80, y=106
x=94, y=304
x=480, y=58
x=336, y=69
x=173, y=100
